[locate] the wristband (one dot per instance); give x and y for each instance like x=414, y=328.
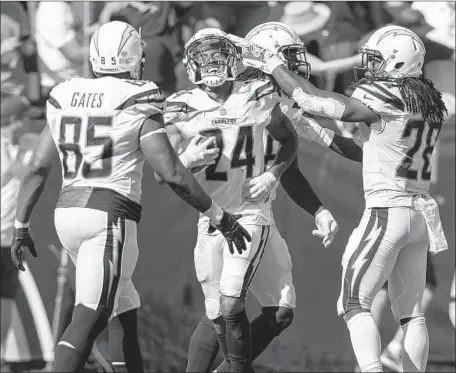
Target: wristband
x=215, y=213
x=19, y=225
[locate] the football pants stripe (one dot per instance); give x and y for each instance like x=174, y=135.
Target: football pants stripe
x=361, y=260
x=112, y=262
x=256, y=260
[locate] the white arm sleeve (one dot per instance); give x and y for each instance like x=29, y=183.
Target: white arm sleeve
x=322, y=106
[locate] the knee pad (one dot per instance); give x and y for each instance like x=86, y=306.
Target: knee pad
x=233, y=286
x=213, y=309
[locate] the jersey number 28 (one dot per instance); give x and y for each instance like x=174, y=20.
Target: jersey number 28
x=71, y=150
x=404, y=170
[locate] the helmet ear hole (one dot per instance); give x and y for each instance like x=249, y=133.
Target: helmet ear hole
x=398, y=65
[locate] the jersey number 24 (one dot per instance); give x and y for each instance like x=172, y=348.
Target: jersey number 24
x=244, y=141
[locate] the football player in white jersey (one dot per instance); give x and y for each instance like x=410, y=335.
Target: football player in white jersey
x=235, y=115
x=102, y=131
x=404, y=113
x=277, y=308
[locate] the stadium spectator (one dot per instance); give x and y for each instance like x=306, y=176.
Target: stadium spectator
x=61, y=54
x=160, y=24
x=17, y=90
x=347, y=24
x=232, y=16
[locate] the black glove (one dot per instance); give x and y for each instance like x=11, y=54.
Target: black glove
x=22, y=240
x=234, y=233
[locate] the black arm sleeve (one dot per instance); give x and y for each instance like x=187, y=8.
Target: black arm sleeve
x=347, y=148
x=298, y=188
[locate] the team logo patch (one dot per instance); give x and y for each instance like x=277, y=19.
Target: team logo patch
x=223, y=111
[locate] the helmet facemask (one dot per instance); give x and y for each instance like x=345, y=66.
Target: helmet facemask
x=211, y=61
x=372, y=65
x=295, y=56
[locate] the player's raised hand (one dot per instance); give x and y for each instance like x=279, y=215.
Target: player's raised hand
x=22, y=240
x=234, y=233
x=201, y=151
x=327, y=226
x=259, y=188
x=255, y=55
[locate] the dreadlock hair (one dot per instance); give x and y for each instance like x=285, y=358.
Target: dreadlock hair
x=419, y=95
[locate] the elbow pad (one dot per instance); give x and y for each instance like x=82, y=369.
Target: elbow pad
x=322, y=106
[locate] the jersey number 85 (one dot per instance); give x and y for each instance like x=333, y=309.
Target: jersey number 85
x=72, y=158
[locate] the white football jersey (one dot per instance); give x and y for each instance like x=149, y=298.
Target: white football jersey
x=238, y=126
x=96, y=125
x=397, y=150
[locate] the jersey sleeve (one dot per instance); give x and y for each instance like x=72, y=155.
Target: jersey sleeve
x=179, y=111
x=381, y=98
x=144, y=98
x=177, y=107
x=264, y=92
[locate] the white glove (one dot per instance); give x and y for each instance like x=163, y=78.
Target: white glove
x=259, y=188
x=256, y=56
x=199, y=152
x=327, y=226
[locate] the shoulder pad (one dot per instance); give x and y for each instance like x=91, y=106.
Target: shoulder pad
x=180, y=104
x=142, y=92
x=381, y=97
x=56, y=96
x=259, y=89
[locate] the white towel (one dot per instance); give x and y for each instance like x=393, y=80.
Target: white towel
x=428, y=206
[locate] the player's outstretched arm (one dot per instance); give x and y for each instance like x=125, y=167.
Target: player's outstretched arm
x=34, y=178
x=281, y=130
x=299, y=189
x=159, y=152
x=318, y=102
x=343, y=146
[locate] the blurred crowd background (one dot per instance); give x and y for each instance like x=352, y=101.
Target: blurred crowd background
x=57, y=34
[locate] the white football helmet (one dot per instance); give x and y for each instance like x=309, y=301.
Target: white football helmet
x=211, y=58
x=392, y=52
x=280, y=38
x=116, y=47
